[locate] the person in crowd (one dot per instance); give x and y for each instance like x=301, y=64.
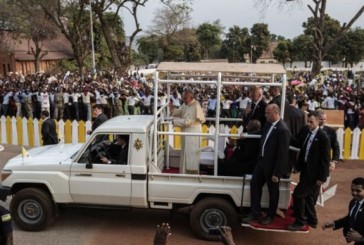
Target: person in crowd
x=271, y=166
x=75, y=104
x=6, y=101
x=28, y=103
x=49, y=132
x=313, y=166
x=67, y=104
x=189, y=117
x=277, y=99
x=147, y=103
x=353, y=223
x=211, y=106
x=58, y=104
x=86, y=100
x=243, y=101
x=6, y=232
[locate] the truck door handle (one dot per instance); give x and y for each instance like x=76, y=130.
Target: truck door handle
x=84, y=175
x=120, y=175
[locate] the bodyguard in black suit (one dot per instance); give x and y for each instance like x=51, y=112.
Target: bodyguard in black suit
x=271, y=166
x=313, y=165
x=49, y=133
x=100, y=118
x=353, y=222
x=257, y=109
x=331, y=133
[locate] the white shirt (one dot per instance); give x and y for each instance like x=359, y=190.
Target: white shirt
x=243, y=102
x=86, y=97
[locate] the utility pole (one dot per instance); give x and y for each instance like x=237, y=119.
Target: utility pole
x=92, y=41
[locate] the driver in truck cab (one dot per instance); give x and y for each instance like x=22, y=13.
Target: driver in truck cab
x=121, y=141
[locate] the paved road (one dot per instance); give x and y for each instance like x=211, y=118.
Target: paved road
x=129, y=227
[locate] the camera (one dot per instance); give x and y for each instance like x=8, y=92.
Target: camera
x=214, y=231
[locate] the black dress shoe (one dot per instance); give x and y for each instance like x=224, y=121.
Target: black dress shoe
x=295, y=227
x=250, y=218
x=313, y=225
x=267, y=220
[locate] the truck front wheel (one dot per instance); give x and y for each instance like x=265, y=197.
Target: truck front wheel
x=211, y=213
x=32, y=209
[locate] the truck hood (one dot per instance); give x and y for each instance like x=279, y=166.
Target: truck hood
x=45, y=154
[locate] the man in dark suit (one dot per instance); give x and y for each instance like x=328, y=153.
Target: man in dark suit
x=271, y=166
x=297, y=121
x=100, y=118
x=353, y=222
x=334, y=144
x=122, y=141
x=245, y=155
x=277, y=99
x=257, y=108
x=313, y=165
x=49, y=133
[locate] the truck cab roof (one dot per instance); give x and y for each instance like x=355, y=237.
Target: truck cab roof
x=126, y=124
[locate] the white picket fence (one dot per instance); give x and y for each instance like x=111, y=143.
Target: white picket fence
x=15, y=131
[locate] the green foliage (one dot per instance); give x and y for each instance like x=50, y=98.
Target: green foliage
x=260, y=38
x=236, y=44
x=351, y=46
x=209, y=36
x=282, y=52
x=303, y=47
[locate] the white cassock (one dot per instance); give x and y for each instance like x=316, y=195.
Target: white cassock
x=189, y=118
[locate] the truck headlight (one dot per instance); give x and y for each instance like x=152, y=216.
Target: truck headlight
x=5, y=173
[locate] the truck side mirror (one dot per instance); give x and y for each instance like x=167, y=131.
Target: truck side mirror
x=89, y=165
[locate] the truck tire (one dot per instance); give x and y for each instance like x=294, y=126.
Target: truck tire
x=211, y=213
x=32, y=209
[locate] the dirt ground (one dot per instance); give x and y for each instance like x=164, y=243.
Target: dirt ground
x=88, y=226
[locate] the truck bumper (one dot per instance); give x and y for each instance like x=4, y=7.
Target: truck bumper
x=4, y=192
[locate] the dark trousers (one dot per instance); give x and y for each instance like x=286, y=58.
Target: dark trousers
x=256, y=188
x=304, y=200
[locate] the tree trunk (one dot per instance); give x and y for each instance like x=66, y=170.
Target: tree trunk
x=107, y=31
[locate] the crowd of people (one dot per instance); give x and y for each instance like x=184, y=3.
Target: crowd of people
x=71, y=96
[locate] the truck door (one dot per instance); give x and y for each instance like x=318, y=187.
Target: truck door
x=107, y=184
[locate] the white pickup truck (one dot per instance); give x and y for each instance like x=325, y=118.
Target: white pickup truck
x=72, y=174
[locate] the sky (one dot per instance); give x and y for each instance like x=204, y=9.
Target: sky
x=286, y=22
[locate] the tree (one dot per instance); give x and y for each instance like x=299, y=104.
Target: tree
x=303, y=46
x=149, y=46
x=169, y=22
x=282, y=52
x=209, y=36
x=351, y=47
x=72, y=19
x=260, y=40
x=236, y=44
x=321, y=46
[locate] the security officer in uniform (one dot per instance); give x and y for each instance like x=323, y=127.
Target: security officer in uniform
x=6, y=231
